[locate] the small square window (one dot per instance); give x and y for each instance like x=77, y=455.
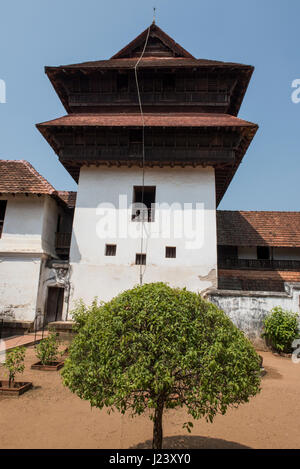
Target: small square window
x=140, y=259
x=170, y=252
x=110, y=249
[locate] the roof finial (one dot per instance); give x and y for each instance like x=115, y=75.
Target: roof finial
x=154, y=14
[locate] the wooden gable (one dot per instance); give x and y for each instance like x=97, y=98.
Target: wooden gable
x=159, y=45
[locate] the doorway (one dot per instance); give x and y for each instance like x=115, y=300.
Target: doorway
x=54, y=306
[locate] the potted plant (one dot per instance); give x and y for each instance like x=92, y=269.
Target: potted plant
x=14, y=363
x=48, y=354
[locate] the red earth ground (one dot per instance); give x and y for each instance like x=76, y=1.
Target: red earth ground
x=49, y=416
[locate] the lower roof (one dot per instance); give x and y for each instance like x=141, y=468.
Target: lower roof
x=20, y=177
x=150, y=120
x=275, y=229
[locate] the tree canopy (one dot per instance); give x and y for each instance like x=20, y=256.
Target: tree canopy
x=155, y=347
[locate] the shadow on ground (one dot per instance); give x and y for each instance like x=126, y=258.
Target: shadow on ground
x=272, y=373
x=192, y=442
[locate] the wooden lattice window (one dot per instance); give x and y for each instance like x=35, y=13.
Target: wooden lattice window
x=140, y=259
x=170, y=252
x=110, y=249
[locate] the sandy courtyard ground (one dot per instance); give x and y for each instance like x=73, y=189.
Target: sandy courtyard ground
x=49, y=416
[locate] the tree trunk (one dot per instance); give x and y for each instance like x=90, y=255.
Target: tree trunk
x=157, y=426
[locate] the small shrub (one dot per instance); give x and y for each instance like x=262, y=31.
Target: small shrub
x=47, y=349
x=14, y=363
x=281, y=328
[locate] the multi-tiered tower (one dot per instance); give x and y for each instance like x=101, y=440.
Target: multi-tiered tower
x=184, y=150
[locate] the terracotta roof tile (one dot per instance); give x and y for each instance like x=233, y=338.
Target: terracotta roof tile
x=239, y=228
x=122, y=59
x=151, y=62
x=20, y=177
x=151, y=120
x=68, y=197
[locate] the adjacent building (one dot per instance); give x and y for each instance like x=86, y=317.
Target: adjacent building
x=32, y=216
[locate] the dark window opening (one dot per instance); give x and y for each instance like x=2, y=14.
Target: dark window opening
x=263, y=253
x=122, y=82
x=110, y=249
x=3, y=204
x=140, y=259
x=170, y=252
x=143, y=208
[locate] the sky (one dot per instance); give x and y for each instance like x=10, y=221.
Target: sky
x=263, y=33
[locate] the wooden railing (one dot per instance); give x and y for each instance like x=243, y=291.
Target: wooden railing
x=187, y=97
x=258, y=264
x=157, y=153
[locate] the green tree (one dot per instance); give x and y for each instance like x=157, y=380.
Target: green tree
x=156, y=348
x=281, y=328
x=14, y=363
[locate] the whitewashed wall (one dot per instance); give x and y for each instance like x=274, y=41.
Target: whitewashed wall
x=19, y=281
x=248, y=309
x=23, y=224
x=94, y=274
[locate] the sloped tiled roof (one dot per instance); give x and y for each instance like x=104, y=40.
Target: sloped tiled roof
x=68, y=197
x=150, y=119
x=177, y=56
x=20, y=177
x=151, y=62
x=240, y=228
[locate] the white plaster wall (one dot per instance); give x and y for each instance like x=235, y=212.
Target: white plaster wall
x=94, y=274
x=23, y=224
x=247, y=310
x=19, y=281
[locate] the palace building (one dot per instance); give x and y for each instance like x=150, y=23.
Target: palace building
x=153, y=139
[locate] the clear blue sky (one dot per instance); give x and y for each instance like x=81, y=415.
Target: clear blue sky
x=263, y=33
